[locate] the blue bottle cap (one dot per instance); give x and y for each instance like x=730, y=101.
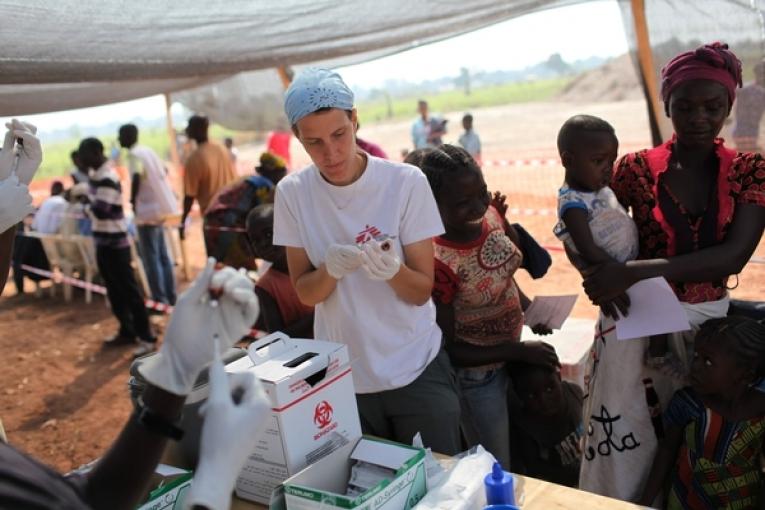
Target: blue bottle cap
x=499, y=486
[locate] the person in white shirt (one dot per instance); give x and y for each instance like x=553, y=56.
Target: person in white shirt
x=51, y=212
x=153, y=200
x=358, y=232
x=469, y=140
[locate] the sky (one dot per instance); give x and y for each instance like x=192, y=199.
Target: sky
x=576, y=32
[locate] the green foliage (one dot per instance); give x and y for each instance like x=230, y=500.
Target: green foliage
x=56, y=160
x=457, y=100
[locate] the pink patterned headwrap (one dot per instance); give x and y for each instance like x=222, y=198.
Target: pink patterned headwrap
x=709, y=62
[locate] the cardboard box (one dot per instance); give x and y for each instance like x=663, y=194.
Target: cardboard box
x=322, y=485
x=171, y=484
x=313, y=408
x=572, y=345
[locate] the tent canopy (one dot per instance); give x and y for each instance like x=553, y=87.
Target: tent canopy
x=67, y=54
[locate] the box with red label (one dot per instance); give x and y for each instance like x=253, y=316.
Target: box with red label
x=313, y=408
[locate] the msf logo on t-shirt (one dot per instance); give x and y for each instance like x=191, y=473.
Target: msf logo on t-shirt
x=322, y=415
x=368, y=234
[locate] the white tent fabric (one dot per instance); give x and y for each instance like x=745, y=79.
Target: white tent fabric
x=116, y=50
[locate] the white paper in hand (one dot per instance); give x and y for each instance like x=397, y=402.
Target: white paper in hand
x=654, y=309
x=551, y=311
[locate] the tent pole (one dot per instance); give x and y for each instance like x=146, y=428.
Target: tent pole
x=284, y=75
x=176, y=160
x=645, y=59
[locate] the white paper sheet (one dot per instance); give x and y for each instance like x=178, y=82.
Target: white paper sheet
x=654, y=309
x=549, y=310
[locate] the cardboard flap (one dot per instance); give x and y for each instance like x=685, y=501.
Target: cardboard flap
x=269, y=346
x=391, y=456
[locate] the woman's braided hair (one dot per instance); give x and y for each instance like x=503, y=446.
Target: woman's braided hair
x=746, y=336
x=444, y=164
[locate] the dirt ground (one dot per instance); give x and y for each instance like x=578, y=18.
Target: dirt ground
x=64, y=399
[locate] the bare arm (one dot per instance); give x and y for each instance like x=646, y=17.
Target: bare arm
x=135, y=186
x=662, y=465
x=464, y=354
x=121, y=477
x=413, y=283
x=6, y=251
x=187, y=203
x=708, y=264
x=313, y=285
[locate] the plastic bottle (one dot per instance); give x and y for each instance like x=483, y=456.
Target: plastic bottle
x=499, y=486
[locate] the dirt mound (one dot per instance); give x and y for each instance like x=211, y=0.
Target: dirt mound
x=616, y=80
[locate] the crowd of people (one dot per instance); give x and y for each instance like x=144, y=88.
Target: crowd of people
x=412, y=266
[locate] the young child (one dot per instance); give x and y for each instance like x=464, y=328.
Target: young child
x=479, y=305
x=592, y=224
x=469, y=140
x=547, y=428
x=280, y=307
x=714, y=429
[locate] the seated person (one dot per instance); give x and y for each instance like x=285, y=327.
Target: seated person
x=281, y=309
x=51, y=212
x=271, y=167
x=546, y=430
x=224, y=230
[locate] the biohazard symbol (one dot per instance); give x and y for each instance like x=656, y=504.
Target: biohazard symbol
x=322, y=416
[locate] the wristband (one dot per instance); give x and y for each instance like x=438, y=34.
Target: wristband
x=153, y=422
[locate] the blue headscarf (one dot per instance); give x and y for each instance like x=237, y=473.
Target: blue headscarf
x=314, y=89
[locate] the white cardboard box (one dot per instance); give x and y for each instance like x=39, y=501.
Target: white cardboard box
x=313, y=408
x=321, y=486
x=572, y=345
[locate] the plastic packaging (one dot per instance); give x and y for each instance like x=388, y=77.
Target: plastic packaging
x=499, y=486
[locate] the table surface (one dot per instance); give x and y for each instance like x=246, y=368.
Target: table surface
x=538, y=495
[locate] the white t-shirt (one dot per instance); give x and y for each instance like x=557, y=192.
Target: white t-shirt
x=155, y=200
x=612, y=228
x=390, y=341
x=50, y=215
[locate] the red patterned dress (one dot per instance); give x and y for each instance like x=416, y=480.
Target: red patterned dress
x=621, y=439
x=665, y=228
x=477, y=279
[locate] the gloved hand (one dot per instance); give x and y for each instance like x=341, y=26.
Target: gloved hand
x=229, y=434
x=197, y=319
x=342, y=259
x=15, y=202
x=379, y=264
x=30, y=153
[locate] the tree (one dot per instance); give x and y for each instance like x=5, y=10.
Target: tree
x=463, y=80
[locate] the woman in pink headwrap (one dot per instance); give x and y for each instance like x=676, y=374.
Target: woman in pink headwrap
x=700, y=212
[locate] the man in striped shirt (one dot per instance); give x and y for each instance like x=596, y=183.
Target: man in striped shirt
x=113, y=250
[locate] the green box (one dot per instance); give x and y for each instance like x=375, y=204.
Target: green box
x=322, y=484
x=171, y=486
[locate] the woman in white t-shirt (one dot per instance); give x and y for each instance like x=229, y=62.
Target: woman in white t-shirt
x=358, y=233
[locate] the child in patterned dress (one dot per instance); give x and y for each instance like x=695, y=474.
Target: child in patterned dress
x=714, y=429
x=479, y=305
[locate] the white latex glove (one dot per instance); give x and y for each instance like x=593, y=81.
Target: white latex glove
x=196, y=321
x=379, y=264
x=229, y=434
x=342, y=259
x=30, y=154
x=15, y=202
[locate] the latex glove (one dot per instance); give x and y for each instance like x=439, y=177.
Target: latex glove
x=30, y=153
x=196, y=321
x=379, y=264
x=229, y=434
x=15, y=202
x=342, y=259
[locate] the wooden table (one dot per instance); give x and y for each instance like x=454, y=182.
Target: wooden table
x=538, y=495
